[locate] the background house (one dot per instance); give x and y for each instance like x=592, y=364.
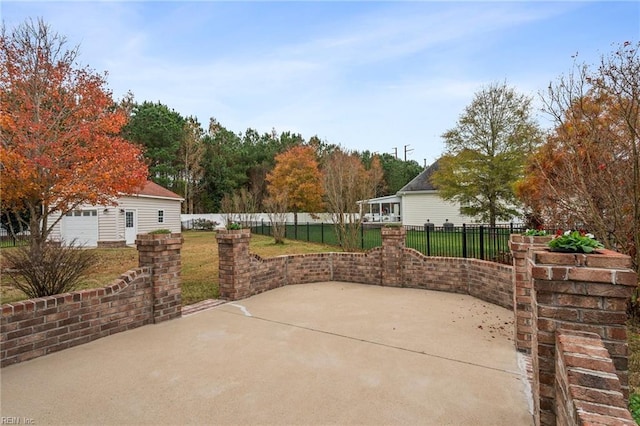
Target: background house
x=415, y=204
x=154, y=207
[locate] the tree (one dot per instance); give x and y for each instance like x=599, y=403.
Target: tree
x=346, y=182
x=397, y=173
x=587, y=174
x=192, y=150
x=276, y=208
x=60, y=144
x=159, y=131
x=240, y=208
x=297, y=177
x=224, y=168
x=485, y=154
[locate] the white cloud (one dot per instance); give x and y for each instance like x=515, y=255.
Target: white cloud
x=378, y=76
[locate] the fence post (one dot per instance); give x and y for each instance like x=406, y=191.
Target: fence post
x=482, y=242
x=361, y=237
x=427, y=238
x=322, y=232
x=464, y=240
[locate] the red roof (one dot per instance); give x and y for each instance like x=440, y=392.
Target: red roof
x=152, y=189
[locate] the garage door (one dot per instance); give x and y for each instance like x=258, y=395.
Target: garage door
x=82, y=226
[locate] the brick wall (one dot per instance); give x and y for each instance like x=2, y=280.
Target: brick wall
x=585, y=293
x=145, y=295
x=243, y=274
x=522, y=285
x=587, y=388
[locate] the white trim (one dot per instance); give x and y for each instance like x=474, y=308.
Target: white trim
x=422, y=191
x=156, y=197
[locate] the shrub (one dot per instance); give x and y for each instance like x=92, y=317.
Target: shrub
x=204, y=224
x=159, y=231
x=535, y=232
x=53, y=269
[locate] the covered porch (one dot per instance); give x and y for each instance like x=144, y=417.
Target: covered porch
x=381, y=209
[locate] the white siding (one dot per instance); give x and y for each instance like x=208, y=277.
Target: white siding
x=55, y=234
x=111, y=219
x=147, y=213
x=108, y=219
x=417, y=208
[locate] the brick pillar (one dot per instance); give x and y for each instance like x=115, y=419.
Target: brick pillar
x=161, y=252
x=520, y=245
x=393, y=243
x=577, y=292
x=234, y=274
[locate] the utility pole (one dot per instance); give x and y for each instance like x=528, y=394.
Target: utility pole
x=405, y=151
x=395, y=151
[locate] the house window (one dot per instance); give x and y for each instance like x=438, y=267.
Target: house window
x=160, y=216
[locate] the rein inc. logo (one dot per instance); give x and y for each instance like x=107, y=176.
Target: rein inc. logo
x=6, y=420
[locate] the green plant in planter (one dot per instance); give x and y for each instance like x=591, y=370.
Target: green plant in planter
x=574, y=242
x=233, y=225
x=535, y=233
x=160, y=231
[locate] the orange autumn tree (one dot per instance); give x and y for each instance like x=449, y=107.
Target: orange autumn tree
x=295, y=183
x=59, y=142
x=587, y=174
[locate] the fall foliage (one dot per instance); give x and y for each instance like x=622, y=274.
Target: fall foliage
x=587, y=174
x=297, y=178
x=59, y=142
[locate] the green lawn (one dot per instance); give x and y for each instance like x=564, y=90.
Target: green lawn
x=469, y=242
x=199, y=256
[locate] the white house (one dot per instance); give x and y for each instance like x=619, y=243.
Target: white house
x=415, y=204
x=154, y=207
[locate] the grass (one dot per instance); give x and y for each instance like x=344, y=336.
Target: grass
x=438, y=242
x=199, y=256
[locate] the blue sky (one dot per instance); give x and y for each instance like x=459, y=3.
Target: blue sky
x=362, y=74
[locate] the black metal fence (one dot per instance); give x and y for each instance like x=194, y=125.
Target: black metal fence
x=13, y=240
x=469, y=241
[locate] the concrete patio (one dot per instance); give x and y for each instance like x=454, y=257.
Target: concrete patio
x=323, y=353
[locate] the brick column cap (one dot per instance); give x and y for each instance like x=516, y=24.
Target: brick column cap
x=603, y=259
x=231, y=234
x=157, y=239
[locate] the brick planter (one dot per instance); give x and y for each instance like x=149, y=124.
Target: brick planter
x=523, y=317
x=577, y=292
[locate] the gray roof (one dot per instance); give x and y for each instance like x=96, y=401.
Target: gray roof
x=422, y=182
